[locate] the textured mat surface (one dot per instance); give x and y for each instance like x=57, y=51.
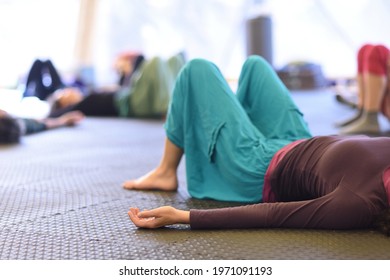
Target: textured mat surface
x=61, y=198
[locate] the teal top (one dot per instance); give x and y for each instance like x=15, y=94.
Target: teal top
x=150, y=89
x=229, y=139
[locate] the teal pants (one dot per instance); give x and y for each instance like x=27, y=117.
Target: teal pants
x=229, y=139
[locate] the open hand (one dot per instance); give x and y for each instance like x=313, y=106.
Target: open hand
x=68, y=119
x=71, y=118
x=159, y=217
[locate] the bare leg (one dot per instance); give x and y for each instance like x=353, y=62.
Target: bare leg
x=374, y=88
x=360, y=103
x=360, y=82
x=164, y=176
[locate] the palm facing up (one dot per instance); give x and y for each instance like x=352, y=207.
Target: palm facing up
x=158, y=217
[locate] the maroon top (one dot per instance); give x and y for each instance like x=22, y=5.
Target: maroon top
x=326, y=182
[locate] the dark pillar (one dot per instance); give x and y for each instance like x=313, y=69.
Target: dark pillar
x=259, y=37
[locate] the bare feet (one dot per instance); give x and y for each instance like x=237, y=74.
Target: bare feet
x=154, y=180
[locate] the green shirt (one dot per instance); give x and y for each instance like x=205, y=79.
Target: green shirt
x=150, y=88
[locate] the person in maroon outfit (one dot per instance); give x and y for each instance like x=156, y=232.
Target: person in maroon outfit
x=324, y=182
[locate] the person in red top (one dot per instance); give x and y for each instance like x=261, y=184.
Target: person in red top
x=321, y=182
x=373, y=82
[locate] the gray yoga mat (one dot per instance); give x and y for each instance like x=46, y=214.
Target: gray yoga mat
x=61, y=198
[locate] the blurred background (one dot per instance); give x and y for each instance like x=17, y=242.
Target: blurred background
x=84, y=36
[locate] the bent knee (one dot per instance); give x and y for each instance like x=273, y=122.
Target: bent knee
x=200, y=67
x=373, y=59
x=199, y=64
x=378, y=52
x=259, y=63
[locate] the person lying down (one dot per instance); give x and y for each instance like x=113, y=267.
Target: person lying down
x=13, y=128
x=255, y=147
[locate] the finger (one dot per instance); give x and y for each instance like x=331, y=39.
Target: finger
x=134, y=218
x=148, y=214
x=79, y=113
x=142, y=223
x=134, y=210
x=148, y=223
x=77, y=119
x=134, y=213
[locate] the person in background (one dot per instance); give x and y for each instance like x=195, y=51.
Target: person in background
x=373, y=81
x=126, y=64
x=254, y=147
x=13, y=128
x=42, y=80
x=143, y=94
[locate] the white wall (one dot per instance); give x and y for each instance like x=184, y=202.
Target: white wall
x=30, y=29
x=328, y=32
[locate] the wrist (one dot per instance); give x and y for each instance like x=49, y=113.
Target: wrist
x=50, y=123
x=183, y=216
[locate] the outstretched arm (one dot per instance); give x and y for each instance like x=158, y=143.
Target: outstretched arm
x=159, y=217
x=340, y=209
x=30, y=126
x=67, y=119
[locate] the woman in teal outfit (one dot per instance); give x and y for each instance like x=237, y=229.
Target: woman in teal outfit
x=227, y=152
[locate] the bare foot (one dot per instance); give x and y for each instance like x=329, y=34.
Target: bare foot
x=154, y=180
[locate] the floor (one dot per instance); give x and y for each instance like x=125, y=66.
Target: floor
x=61, y=198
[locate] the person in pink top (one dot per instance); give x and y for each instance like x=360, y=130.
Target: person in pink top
x=320, y=182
